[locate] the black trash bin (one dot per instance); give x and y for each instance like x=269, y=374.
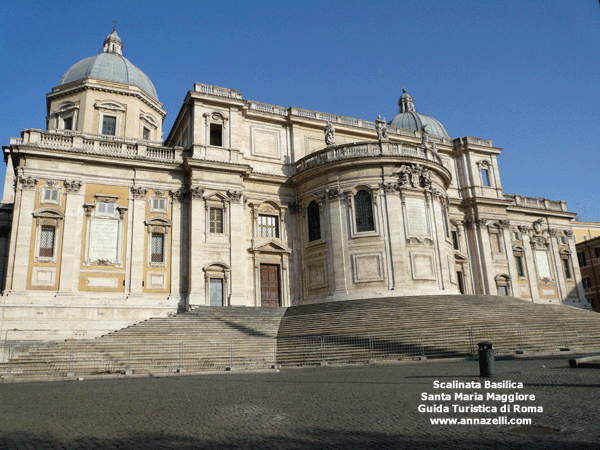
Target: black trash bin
x=487, y=366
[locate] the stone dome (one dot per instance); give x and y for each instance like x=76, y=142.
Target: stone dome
x=410, y=119
x=110, y=65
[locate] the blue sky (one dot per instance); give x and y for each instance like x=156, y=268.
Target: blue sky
x=523, y=73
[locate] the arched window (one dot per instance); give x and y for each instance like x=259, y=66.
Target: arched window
x=364, y=211
x=314, y=221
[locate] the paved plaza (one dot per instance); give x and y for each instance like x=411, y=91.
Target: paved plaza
x=362, y=407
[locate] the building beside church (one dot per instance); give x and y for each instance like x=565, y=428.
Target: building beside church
x=588, y=257
x=250, y=204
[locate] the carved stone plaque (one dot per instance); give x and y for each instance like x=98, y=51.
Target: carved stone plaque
x=543, y=265
x=104, y=239
x=415, y=215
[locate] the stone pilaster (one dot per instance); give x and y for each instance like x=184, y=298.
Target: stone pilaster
x=138, y=236
x=177, y=198
x=196, y=294
x=531, y=270
x=72, y=234
x=337, y=235
x=238, y=257
x=22, y=235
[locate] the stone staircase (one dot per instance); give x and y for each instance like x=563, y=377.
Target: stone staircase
x=429, y=326
x=205, y=338
x=382, y=329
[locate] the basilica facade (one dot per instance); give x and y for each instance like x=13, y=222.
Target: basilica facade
x=244, y=203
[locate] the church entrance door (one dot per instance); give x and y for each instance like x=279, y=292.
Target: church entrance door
x=216, y=292
x=269, y=285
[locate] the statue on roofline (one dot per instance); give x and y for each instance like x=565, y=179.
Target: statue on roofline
x=329, y=134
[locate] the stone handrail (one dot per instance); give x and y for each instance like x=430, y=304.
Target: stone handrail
x=364, y=149
x=537, y=203
x=99, y=144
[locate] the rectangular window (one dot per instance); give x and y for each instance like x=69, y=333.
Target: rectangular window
x=158, y=247
x=485, y=175
x=50, y=195
x=109, y=125
x=216, y=220
x=455, y=240
x=159, y=204
x=567, y=268
x=268, y=226
x=520, y=265
x=581, y=259
x=106, y=209
x=145, y=134
x=68, y=123
x=503, y=290
x=216, y=134
x=587, y=283
x=47, y=241
x=597, y=252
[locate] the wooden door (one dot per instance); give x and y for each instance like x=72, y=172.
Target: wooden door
x=269, y=285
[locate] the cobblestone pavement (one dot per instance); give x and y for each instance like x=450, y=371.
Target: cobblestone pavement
x=367, y=407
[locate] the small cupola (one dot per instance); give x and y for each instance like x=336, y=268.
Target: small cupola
x=112, y=43
x=406, y=102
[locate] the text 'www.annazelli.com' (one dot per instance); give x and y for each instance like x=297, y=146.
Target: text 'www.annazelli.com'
x=501, y=420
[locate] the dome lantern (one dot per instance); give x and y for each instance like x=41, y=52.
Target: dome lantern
x=410, y=119
x=112, y=43
x=405, y=102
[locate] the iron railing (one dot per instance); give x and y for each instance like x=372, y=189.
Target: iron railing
x=161, y=356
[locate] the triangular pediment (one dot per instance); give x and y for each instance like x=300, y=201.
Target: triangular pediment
x=460, y=257
x=271, y=247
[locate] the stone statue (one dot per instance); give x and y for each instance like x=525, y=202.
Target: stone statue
x=329, y=134
x=426, y=142
x=381, y=128
x=424, y=137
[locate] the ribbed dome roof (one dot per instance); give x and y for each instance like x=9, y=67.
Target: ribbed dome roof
x=110, y=65
x=412, y=120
